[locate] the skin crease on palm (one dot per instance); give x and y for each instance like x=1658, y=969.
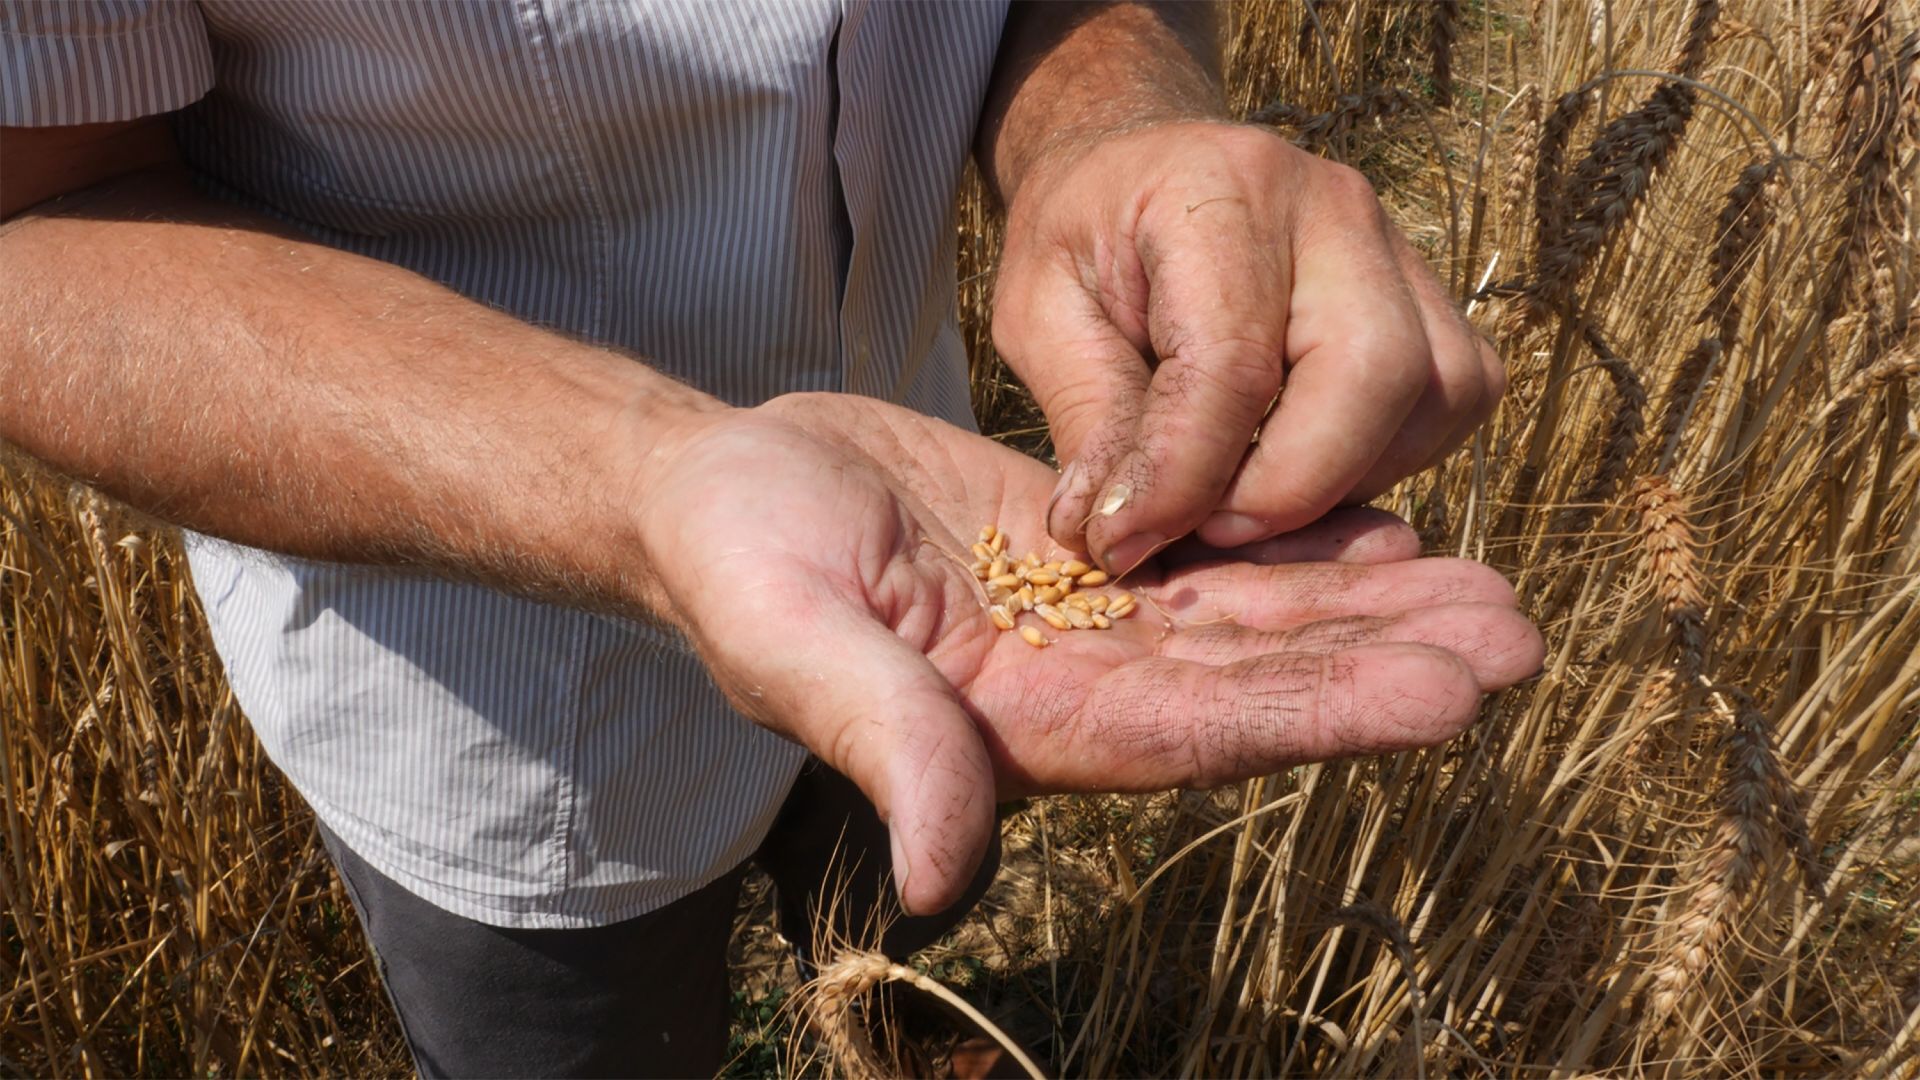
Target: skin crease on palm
x=1166, y=271
x=1329, y=642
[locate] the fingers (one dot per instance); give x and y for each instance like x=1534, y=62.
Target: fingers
x=1404, y=391
x=1162, y=722
x=1234, y=295
x=878, y=711
x=1347, y=534
x=1499, y=645
x=1282, y=597
x=1218, y=325
x=1078, y=347
x=1360, y=362
x=1466, y=383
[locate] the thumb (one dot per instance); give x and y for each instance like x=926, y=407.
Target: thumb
x=879, y=712
x=1219, y=329
x=1082, y=357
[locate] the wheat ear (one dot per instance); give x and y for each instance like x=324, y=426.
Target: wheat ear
x=1668, y=545
x=829, y=1005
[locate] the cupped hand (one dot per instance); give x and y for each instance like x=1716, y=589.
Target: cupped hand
x=814, y=550
x=1161, y=287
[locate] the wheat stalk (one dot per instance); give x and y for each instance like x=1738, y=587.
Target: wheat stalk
x=1443, y=29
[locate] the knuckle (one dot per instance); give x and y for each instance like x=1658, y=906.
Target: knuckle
x=1350, y=185
x=1395, y=362
x=1251, y=146
x=1082, y=408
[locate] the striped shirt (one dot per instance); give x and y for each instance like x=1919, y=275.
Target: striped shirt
x=756, y=196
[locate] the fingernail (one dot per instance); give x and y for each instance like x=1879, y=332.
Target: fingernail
x=1067, y=476
x=1226, y=529
x=900, y=870
x=1124, y=556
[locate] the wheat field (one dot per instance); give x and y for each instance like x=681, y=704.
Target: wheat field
x=1691, y=847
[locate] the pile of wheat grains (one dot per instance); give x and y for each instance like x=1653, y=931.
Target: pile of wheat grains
x=1055, y=591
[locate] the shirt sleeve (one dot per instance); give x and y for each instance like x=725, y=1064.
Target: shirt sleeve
x=92, y=61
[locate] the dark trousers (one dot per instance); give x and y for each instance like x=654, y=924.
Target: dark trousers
x=644, y=997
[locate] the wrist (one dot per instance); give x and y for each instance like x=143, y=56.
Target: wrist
x=650, y=422
x=1072, y=75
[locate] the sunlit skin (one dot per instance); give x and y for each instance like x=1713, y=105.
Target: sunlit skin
x=1161, y=288
x=837, y=607
x=1167, y=273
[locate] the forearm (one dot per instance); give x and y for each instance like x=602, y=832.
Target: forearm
x=212, y=370
x=1069, y=73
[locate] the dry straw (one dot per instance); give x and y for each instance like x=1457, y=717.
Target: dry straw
x=832, y=1003
x=169, y=910
x=1623, y=869
x=1683, y=850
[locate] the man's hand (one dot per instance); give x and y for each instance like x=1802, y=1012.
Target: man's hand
x=254, y=385
x=1161, y=289
x=1168, y=275
x=813, y=551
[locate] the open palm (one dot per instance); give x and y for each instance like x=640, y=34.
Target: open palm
x=815, y=550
